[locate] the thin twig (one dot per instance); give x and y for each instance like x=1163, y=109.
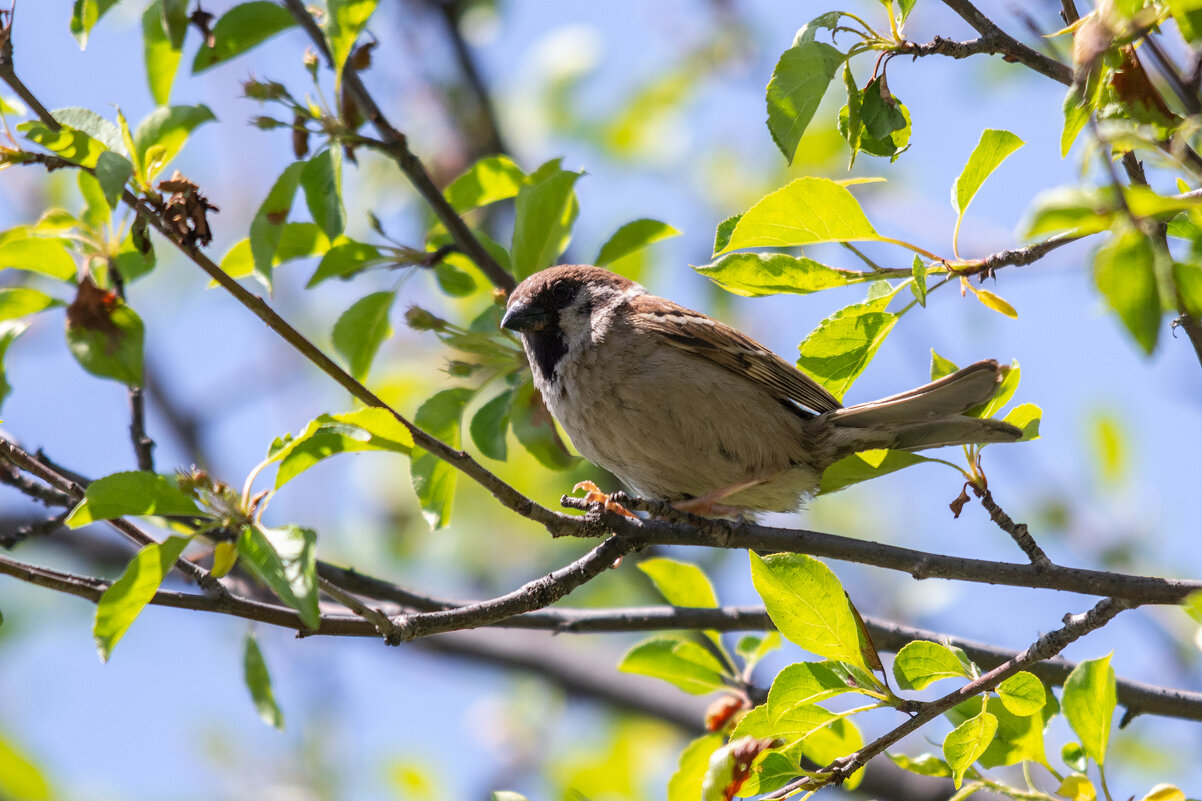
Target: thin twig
x=450, y=12
x=1011, y=49
x=396, y=145
x=1017, y=531
x=1047, y=646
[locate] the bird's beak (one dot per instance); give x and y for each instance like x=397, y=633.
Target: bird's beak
x=525, y=318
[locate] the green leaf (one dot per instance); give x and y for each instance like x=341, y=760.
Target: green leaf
x=805, y=683
x=489, y=180
x=9, y=331
x=107, y=341
x=347, y=19
x=544, y=212
x=631, y=237
x=297, y=241
x=285, y=559
x=850, y=124
x=535, y=429
x=998, y=304
x=680, y=662
x=992, y=149
x=112, y=171
x=97, y=211
x=134, y=493
x=489, y=425
x=321, y=178
x=73, y=145
x=20, y=779
x=84, y=15
x=453, y=281
x=874, y=121
x=864, y=466
x=924, y=765
x=1188, y=279
x=941, y=366
x=1018, y=738
x=345, y=259
x=837, y=351
x=758, y=274
x=361, y=330
x=368, y=429
x=803, y=212
x=808, y=605
x=918, y=269
x=20, y=301
x=160, y=53
x=107, y=134
x=685, y=784
x=795, y=90
x=920, y=663
x=258, y=681
x=753, y=647
x=1026, y=417
x=241, y=28
x=175, y=21
x=45, y=255
x=681, y=583
x=1077, y=787
x=723, y=232
x=125, y=598
x=965, y=743
x=834, y=740
x=433, y=479
x=167, y=127
x=1022, y=694
x=1089, y=701
x=267, y=227
x=135, y=255
x=1125, y=274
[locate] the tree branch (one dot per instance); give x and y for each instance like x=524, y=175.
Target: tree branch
x=993, y=40
x=396, y=145
x=1047, y=646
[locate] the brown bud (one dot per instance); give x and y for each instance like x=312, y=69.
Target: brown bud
x=300, y=136
x=724, y=712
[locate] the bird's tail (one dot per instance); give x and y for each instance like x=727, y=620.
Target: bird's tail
x=930, y=416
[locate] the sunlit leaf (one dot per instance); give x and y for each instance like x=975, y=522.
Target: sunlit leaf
x=368, y=429
x=544, y=212
x=84, y=15
x=1188, y=278
x=803, y=212
x=965, y=743
x=805, y=683
x=1026, y=417
x=240, y=29
x=489, y=180
x=20, y=301
x=681, y=583
x=1022, y=694
x=106, y=336
x=267, y=227
x=631, y=237
x=48, y=256
x=361, y=330
x=924, y=765
x=9, y=331
x=680, y=662
x=1077, y=787
x=865, y=466
x=159, y=52
x=20, y=779
x=1089, y=701
x=992, y=149
x=796, y=88
x=759, y=274
x=685, y=784
x=920, y=663
x=807, y=603
x=434, y=479
x=167, y=127
x=125, y=598
x=347, y=19
x=998, y=304
x=837, y=351
x=131, y=493
x=1125, y=274
x=285, y=559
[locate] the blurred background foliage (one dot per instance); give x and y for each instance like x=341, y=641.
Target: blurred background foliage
x=661, y=106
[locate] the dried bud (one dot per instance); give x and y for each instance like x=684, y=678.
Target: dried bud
x=263, y=90
x=419, y=319
x=265, y=123
x=724, y=712
x=361, y=56
x=312, y=62
x=300, y=136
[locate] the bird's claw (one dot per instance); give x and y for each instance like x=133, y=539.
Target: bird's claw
x=593, y=494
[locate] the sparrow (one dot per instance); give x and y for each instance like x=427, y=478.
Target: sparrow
x=686, y=409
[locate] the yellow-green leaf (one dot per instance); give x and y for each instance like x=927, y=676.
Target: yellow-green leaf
x=125, y=598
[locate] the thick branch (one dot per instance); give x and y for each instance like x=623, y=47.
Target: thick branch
x=1002, y=42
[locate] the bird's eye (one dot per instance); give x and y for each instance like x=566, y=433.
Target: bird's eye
x=562, y=292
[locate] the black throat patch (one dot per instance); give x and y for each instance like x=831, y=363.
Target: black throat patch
x=547, y=347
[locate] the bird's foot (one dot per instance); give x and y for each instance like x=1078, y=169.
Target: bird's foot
x=593, y=494
x=709, y=504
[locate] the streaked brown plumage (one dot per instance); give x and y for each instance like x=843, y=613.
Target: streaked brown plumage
x=681, y=406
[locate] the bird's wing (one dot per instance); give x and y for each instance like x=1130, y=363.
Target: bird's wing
x=694, y=332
